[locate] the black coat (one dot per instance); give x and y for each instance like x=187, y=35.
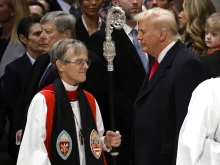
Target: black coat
x=212, y=64
x=16, y=74
x=81, y=32
x=128, y=76
x=161, y=106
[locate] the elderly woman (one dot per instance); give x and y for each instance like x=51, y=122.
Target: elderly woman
x=64, y=122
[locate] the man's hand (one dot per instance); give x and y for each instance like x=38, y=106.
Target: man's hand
x=112, y=139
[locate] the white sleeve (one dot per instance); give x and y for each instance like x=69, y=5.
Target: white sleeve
x=33, y=150
x=200, y=135
x=100, y=127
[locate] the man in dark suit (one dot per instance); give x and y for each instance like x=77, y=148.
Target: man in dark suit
x=128, y=75
x=161, y=105
x=56, y=26
x=16, y=73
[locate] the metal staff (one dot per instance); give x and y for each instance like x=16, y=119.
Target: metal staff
x=114, y=19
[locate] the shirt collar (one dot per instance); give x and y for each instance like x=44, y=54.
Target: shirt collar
x=31, y=58
x=99, y=23
x=65, y=6
x=165, y=50
x=128, y=29
x=69, y=87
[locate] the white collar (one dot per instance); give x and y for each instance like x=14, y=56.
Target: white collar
x=31, y=58
x=65, y=6
x=99, y=23
x=165, y=50
x=69, y=87
x=128, y=29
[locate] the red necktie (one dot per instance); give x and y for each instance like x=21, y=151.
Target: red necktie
x=153, y=69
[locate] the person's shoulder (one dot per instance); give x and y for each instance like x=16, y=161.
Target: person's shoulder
x=16, y=62
x=211, y=57
x=44, y=56
x=41, y=61
x=209, y=86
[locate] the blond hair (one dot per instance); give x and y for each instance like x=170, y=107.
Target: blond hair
x=197, y=11
x=21, y=10
x=162, y=19
x=213, y=23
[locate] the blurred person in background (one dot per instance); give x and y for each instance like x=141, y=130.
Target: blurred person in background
x=212, y=39
x=89, y=22
x=36, y=8
x=46, y=5
x=11, y=12
x=192, y=18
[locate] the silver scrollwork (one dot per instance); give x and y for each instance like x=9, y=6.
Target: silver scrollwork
x=114, y=19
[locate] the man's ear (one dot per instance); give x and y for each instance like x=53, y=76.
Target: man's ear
x=163, y=35
x=115, y=2
x=22, y=39
x=68, y=34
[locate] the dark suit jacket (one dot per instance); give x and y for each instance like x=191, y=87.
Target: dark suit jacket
x=128, y=76
x=161, y=106
x=212, y=64
x=32, y=86
x=16, y=74
x=81, y=32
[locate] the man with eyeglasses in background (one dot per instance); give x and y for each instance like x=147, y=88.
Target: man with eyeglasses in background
x=56, y=26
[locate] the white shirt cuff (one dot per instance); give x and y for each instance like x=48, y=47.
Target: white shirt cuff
x=103, y=145
x=17, y=141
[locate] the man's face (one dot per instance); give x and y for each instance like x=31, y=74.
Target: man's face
x=149, y=38
x=50, y=35
x=131, y=7
x=157, y=3
x=33, y=42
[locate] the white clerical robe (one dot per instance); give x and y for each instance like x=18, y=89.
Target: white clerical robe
x=33, y=150
x=200, y=133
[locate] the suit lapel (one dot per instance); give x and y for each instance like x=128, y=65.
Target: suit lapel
x=27, y=62
x=49, y=80
x=147, y=87
x=121, y=40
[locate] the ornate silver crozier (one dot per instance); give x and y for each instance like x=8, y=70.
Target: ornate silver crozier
x=114, y=19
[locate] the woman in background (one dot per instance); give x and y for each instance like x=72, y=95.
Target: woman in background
x=90, y=22
x=192, y=18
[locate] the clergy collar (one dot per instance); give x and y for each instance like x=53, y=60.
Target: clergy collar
x=69, y=87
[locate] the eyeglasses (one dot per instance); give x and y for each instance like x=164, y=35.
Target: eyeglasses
x=79, y=63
